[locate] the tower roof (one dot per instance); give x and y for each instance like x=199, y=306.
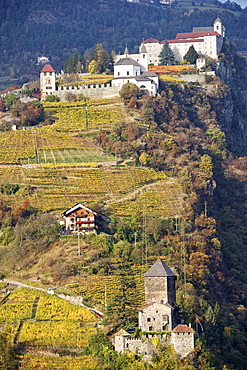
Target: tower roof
x=217, y=20
x=143, y=49
x=182, y=329
x=159, y=269
x=126, y=51
x=122, y=333
x=47, y=68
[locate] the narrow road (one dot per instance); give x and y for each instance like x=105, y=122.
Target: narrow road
x=76, y=300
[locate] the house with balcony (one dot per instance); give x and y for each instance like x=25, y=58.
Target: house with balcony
x=82, y=220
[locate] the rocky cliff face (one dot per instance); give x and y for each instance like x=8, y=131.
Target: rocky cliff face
x=232, y=107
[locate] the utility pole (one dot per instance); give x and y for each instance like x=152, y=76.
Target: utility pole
x=183, y=255
x=105, y=298
x=176, y=224
x=205, y=209
x=79, y=245
x=135, y=234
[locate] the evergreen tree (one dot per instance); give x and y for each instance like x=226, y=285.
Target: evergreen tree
x=191, y=55
x=73, y=64
x=166, y=56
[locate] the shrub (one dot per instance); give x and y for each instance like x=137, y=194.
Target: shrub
x=52, y=98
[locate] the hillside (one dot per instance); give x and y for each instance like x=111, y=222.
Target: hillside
x=167, y=171
x=58, y=30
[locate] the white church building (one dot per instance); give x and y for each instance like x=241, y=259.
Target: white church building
x=128, y=69
x=206, y=41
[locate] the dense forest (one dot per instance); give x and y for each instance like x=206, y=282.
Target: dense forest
x=58, y=30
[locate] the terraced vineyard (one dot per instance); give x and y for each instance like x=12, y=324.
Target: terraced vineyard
x=83, y=116
x=35, y=318
x=38, y=319
x=164, y=199
x=56, y=187
x=58, y=165
x=36, y=146
x=64, y=141
x=100, y=290
x=31, y=361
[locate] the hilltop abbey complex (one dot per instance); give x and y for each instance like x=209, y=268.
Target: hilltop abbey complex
x=207, y=41
x=158, y=317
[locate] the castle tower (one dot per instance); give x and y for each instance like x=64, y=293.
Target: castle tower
x=47, y=81
x=183, y=340
x=121, y=340
x=160, y=284
x=143, y=58
x=218, y=27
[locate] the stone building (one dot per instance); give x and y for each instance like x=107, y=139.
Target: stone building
x=157, y=318
x=158, y=313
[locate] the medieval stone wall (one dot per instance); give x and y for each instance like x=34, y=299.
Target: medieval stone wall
x=88, y=91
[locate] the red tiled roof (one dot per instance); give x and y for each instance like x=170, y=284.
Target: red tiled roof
x=47, y=68
x=183, y=41
x=144, y=306
x=150, y=40
x=182, y=329
x=191, y=35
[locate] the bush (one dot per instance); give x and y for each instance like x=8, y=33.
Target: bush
x=52, y=98
x=128, y=91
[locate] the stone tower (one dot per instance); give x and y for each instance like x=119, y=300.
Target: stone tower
x=160, y=284
x=157, y=318
x=47, y=81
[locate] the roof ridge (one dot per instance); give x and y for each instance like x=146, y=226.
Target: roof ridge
x=159, y=269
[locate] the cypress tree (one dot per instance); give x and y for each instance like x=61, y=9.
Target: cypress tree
x=191, y=55
x=166, y=56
